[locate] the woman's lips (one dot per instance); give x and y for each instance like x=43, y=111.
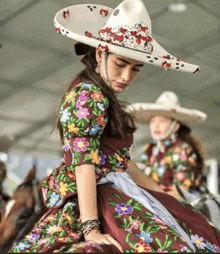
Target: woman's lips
x=157, y=132
x=122, y=85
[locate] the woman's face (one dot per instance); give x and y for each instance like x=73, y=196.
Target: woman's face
x=121, y=70
x=159, y=125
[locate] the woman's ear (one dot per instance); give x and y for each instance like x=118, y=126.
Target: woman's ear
x=177, y=126
x=98, y=55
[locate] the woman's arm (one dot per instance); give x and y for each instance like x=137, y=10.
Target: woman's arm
x=86, y=189
x=87, y=196
x=141, y=179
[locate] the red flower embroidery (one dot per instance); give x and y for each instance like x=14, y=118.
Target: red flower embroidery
x=97, y=96
x=100, y=120
x=103, y=12
x=71, y=175
x=119, y=38
x=142, y=247
x=66, y=14
x=57, y=29
x=88, y=34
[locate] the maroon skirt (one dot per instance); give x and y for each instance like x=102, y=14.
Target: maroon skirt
x=131, y=224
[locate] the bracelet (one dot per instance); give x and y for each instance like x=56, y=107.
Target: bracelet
x=88, y=225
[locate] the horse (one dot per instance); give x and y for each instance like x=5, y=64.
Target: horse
x=21, y=212
x=3, y=196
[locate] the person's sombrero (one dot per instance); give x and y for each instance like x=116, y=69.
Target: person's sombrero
x=125, y=30
x=168, y=105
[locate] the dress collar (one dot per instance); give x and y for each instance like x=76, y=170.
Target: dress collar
x=161, y=145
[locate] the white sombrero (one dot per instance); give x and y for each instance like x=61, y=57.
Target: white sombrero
x=168, y=105
x=125, y=30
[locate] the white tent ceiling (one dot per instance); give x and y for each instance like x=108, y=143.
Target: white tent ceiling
x=37, y=64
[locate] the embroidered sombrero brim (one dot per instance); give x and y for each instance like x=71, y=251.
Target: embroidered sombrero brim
x=83, y=23
x=144, y=111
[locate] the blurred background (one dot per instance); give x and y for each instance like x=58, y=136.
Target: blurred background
x=37, y=64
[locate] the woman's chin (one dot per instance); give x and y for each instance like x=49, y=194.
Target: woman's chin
x=118, y=89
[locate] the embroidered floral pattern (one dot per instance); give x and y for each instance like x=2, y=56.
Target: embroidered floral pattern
x=136, y=37
x=176, y=162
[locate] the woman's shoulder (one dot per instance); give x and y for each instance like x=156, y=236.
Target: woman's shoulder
x=183, y=145
x=87, y=92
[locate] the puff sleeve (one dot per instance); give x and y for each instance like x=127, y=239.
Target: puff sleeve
x=83, y=117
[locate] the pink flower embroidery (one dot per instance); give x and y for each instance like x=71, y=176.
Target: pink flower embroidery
x=80, y=144
x=135, y=224
x=159, y=221
x=82, y=113
x=183, y=156
x=180, y=176
x=44, y=191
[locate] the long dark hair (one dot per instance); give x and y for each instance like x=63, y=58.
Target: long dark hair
x=184, y=133
x=121, y=122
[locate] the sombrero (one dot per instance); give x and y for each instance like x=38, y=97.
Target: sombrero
x=168, y=105
x=125, y=30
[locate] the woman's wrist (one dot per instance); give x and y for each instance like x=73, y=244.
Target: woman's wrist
x=90, y=225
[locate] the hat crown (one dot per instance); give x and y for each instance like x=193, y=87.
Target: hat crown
x=129, y=13
x=168, y=99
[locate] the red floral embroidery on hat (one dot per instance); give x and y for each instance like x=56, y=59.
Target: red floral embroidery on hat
x=119, y=38
x=88, y=34
x=166, y=64
x=66, y=14
x=103, y=47
x=57, y=29
x=136, y=37
x=103, y=12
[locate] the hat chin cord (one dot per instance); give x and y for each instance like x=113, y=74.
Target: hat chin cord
x=105, y=54
x=159, y=144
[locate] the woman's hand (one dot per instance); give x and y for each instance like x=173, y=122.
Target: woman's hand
x=95, y=236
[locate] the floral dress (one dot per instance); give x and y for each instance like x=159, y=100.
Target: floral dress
x=177, y=162
x=83, y=118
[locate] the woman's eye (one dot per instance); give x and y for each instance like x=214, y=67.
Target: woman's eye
x=136, y=69
x=120, y=65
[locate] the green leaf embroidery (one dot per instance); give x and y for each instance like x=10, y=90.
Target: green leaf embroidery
x=153, y=229
x=131, y=218
x=117, y=196
x=158, y=242
x=130, y=201
x=143, y=226
x=117, y=215
x=137, y=209
x=112, y=202
x=112, y=160
x=148, y=215
x=132, y=244
x=63, y=233
x=87, y=158
x=127, y=237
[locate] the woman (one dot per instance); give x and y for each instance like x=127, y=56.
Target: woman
x=96, y=131
x=175, y=157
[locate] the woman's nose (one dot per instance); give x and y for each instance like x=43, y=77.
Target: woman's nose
x=126, y=75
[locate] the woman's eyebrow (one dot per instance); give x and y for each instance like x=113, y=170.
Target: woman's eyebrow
x=125, y=61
